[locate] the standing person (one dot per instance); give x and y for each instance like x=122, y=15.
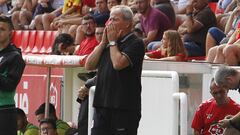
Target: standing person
x=11, y=69
x=213, y=110
x=119, y=59
x=229, y=78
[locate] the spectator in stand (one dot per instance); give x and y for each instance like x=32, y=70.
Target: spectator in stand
x=63, y=45
x=11, y=69
x=216, y=36
x=61, y=126
x=226, y=53
x=100, y=15
x=205, y=121
x=153, y=22
x=112, y=3
x=24, y=16
x=24, y=127
x=50, y=21
x=194, y=28
x=166, y=7
x=229, y=78
x=48, y=127
x=99, y=33
x=172, y=48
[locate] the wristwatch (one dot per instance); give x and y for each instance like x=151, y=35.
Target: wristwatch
x=112, y=43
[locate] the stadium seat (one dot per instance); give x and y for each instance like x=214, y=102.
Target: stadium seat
x=38, y=42
x=213, y=6
x=17, y=37
x=31, y=41
x=24, y=40
x=46, y=42
x=196, y=58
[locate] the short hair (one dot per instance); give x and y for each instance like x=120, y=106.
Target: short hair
x=125, y=10
x=7, y=20
x=48, y=121
x=88, y=17
x=41, y=109
x=64, y=38
x=20, y=113
x=223, y=73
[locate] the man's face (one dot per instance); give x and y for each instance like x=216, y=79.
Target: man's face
x=5, y=32
x=40, y=117
x=20, y=122
x=219, y=93
x=101, y=5
x=116, y=18
x=99, y=33
x=47, y=129
x=142, y=5
x=88, y=27
x=69, y=50
x=111, y=3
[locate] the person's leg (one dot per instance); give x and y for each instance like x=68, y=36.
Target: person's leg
x=214, y=37
x=25, y=17
x=15, y=20
x=83, y=117
x=38, y=22
x=194, y=49
x=212, y=54
x=219, y=55
x=47, y=20
x=232, y=55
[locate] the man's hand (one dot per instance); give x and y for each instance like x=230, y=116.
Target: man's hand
x=83, y=92
x=224, y=123
x=112, y=33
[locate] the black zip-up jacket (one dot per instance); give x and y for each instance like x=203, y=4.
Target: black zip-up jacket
x=11, y=69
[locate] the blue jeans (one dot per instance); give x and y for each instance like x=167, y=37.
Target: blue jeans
x=193, y=49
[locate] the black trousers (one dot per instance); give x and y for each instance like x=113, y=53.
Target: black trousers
x=115, y=122
x=8, y=121
x=83, y=118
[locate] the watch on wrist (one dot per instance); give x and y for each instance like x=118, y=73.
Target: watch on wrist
x=112, y=43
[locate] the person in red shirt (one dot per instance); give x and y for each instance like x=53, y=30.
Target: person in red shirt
x=90, y=42
x=205, y=121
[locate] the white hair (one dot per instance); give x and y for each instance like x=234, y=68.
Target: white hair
x=125, y=10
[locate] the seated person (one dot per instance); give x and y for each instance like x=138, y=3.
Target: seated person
x=24, y=16
x=48, y=127
x=166, y=7
x=172, y=48
x=205, y=121
x=61, y=126
x=194, y=28
x=153, y=22
x=24, y=127
x=216, y=36
x=226, y=53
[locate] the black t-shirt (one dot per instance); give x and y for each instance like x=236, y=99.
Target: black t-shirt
x=121, y=89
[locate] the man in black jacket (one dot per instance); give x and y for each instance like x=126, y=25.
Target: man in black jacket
x=11, y=69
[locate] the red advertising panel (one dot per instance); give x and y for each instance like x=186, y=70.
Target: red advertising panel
x=31, y=93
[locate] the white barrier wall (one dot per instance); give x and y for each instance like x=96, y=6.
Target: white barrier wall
x=160, y=106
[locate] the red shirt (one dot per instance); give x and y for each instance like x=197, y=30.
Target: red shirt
x=209, y=113
x=89, y=3
x=87, y=46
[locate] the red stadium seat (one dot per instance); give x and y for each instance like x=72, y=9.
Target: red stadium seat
x=31, y=41
x=213, y=6
x=54, y=35
x=17, y=37
x=46, y=42
x=38, y=42
x=196, y=58
x=25, y=39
